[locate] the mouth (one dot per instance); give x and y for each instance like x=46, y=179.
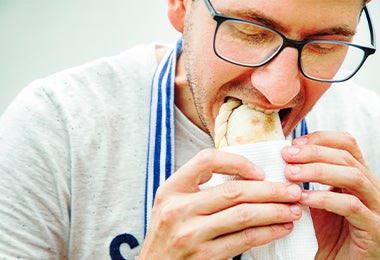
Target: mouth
x=284, y=113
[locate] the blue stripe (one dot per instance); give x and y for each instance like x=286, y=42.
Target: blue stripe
x=159, y=139
x=156, y=83
x=148, y=157
x=168, y=124
x=164, y=87
x=304, y=130
x=169, y=110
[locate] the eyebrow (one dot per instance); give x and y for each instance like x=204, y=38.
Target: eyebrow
x=343, y=30
x=259, y=17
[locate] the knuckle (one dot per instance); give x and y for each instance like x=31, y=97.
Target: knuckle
x=350, y=139
x=318, y=170
x=274, y=231
x=347, y=157
x=355, y=205
x=281, y=212
x=183, y=239
x=170, y=212
x=231, y=191
x=316, y=152
x=275, y=191
x=249, y=236
x=243, y=215
x=358, y=177
x=160, y=196
x=323, y=198
x=205, y=156
x=260, y=235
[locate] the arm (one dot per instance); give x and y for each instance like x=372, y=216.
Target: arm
x=34, y=191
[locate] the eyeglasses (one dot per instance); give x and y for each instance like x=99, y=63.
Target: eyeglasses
x=250, y=44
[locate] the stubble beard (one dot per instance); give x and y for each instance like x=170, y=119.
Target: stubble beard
x=190, y=58
x=198, y=93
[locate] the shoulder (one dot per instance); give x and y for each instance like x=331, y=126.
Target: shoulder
x=124, y=78
x=349, y=93
x=107, y=75
x=346, y=103
x=111, y=89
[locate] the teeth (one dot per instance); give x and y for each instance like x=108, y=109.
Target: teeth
x=262, y=110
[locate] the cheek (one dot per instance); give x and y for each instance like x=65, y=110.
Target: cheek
x=314, y=91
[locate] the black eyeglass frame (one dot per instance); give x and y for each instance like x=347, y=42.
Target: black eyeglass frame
x=299, y=45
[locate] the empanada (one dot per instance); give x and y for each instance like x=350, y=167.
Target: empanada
x=239, y=123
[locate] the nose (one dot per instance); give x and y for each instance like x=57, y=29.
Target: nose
x=279, y=80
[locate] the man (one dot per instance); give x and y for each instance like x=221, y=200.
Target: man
x=81, y=169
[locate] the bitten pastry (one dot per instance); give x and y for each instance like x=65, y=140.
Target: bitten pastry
x=240, y=123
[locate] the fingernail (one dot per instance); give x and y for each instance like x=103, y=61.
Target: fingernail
x=293, y=150
x=300, y=141
x=294, y=191
x=288, y=226
x=295, y=209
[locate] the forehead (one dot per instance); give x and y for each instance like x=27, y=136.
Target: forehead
x=304, y=3
x=295, y=17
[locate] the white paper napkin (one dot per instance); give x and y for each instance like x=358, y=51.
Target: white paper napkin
x=302, y=242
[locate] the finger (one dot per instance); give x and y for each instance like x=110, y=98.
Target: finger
x=237, y=243
x=346, y=205
x=232, y=193
x=316, y=153
x=244, y=216
x=337, y=140
x=344, y=177
x=200, y=168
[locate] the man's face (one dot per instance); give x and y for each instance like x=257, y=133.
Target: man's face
x=276, y=85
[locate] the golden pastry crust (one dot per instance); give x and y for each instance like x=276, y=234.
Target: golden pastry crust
x=221, y=121
x=239, y=123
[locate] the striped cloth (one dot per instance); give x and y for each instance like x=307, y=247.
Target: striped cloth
x=160, y=158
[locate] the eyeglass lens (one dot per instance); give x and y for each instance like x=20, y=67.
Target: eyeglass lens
x=249, y=44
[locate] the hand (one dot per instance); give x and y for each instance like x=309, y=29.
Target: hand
x=347, y=216
x=222, y=221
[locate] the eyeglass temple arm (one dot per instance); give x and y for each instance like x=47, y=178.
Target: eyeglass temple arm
x=370, y=27
x=210, y=7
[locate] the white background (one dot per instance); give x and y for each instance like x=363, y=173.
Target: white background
x=39, y=37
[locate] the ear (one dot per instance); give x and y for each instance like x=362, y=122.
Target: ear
x=176, y=13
